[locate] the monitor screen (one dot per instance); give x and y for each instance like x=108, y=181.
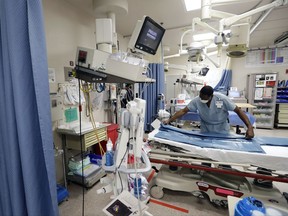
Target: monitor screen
x=82, y=56
x=150, y=36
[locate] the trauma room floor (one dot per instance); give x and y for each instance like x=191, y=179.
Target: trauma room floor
x=94, y=203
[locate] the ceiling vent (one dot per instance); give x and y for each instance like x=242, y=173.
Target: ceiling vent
x=282, y=39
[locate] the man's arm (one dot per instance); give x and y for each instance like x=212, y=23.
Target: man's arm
x=177, y=115
x=244, y=118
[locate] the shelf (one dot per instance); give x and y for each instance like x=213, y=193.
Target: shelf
x=281, y=125
x=262, y=111
x=98, y=76
x=263, y=97
x=263, y=105
x=282, y=96
x=282, y=91
x=281, y=101
x=261, y=119
x=264, y=126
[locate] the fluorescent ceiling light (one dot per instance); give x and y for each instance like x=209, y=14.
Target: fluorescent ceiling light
x=192, y=4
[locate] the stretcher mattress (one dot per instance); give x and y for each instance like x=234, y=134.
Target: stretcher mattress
x=266, y=152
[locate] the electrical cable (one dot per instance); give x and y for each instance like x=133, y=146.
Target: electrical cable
x=94, y=127
x=136, y=187
x=87, y=98
x=120, y=165
x=91, y=116
x=81, y=146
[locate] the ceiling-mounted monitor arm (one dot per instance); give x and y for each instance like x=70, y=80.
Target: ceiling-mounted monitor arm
x=181, y=51
x=230, y=19
x=216, y=64
x=198, y=21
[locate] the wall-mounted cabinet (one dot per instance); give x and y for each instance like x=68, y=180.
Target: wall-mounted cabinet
x=261, y=89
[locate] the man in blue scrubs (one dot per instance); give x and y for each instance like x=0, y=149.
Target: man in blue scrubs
x=213, y=110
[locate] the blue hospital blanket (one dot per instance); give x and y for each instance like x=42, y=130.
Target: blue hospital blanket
x=233, y=142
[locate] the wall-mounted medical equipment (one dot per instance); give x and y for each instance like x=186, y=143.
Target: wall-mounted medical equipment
x=91, y=58
x=56, y=107
x=146, y=36
x=239, y=40
x=126, y=66
x=98, y=66
x=68, y=74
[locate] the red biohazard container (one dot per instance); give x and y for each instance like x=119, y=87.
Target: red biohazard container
x=112, y=133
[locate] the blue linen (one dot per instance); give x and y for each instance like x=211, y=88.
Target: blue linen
x=273, y=141
x=209, y=140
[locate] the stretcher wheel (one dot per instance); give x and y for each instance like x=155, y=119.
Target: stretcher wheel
x=200, y=194
x=156, y=192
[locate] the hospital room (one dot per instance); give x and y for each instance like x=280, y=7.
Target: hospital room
x=155, y=107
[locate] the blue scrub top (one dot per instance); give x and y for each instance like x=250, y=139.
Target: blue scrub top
x=215, y=117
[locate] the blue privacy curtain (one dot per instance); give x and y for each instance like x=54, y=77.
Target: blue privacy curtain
x=150, y=92
x=225, y=82
x=27, y=179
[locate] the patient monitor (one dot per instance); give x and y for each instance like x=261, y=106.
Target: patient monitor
x=146, y=36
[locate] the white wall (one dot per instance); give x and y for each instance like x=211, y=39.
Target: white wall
x=240, y=71
x=66, y=28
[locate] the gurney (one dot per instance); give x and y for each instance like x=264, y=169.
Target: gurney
x=234, y=165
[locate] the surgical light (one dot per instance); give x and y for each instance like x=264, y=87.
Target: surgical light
x=239, y=41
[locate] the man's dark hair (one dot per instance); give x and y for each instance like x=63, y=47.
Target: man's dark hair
x=207, y=90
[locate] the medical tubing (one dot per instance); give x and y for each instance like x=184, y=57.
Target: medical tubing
x=120, y=181
x=123, y=155
x=89, y=88
x=94, y=127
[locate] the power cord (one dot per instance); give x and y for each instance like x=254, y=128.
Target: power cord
x=82, y=152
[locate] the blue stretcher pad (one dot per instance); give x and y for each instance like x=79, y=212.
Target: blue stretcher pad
x=218, y=140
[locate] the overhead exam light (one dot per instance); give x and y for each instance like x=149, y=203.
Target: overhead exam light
x=239, y=44
x=195, y=52
x=239, y=41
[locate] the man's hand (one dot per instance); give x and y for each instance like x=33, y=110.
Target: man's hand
x=165, y=122
x=249, y=133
